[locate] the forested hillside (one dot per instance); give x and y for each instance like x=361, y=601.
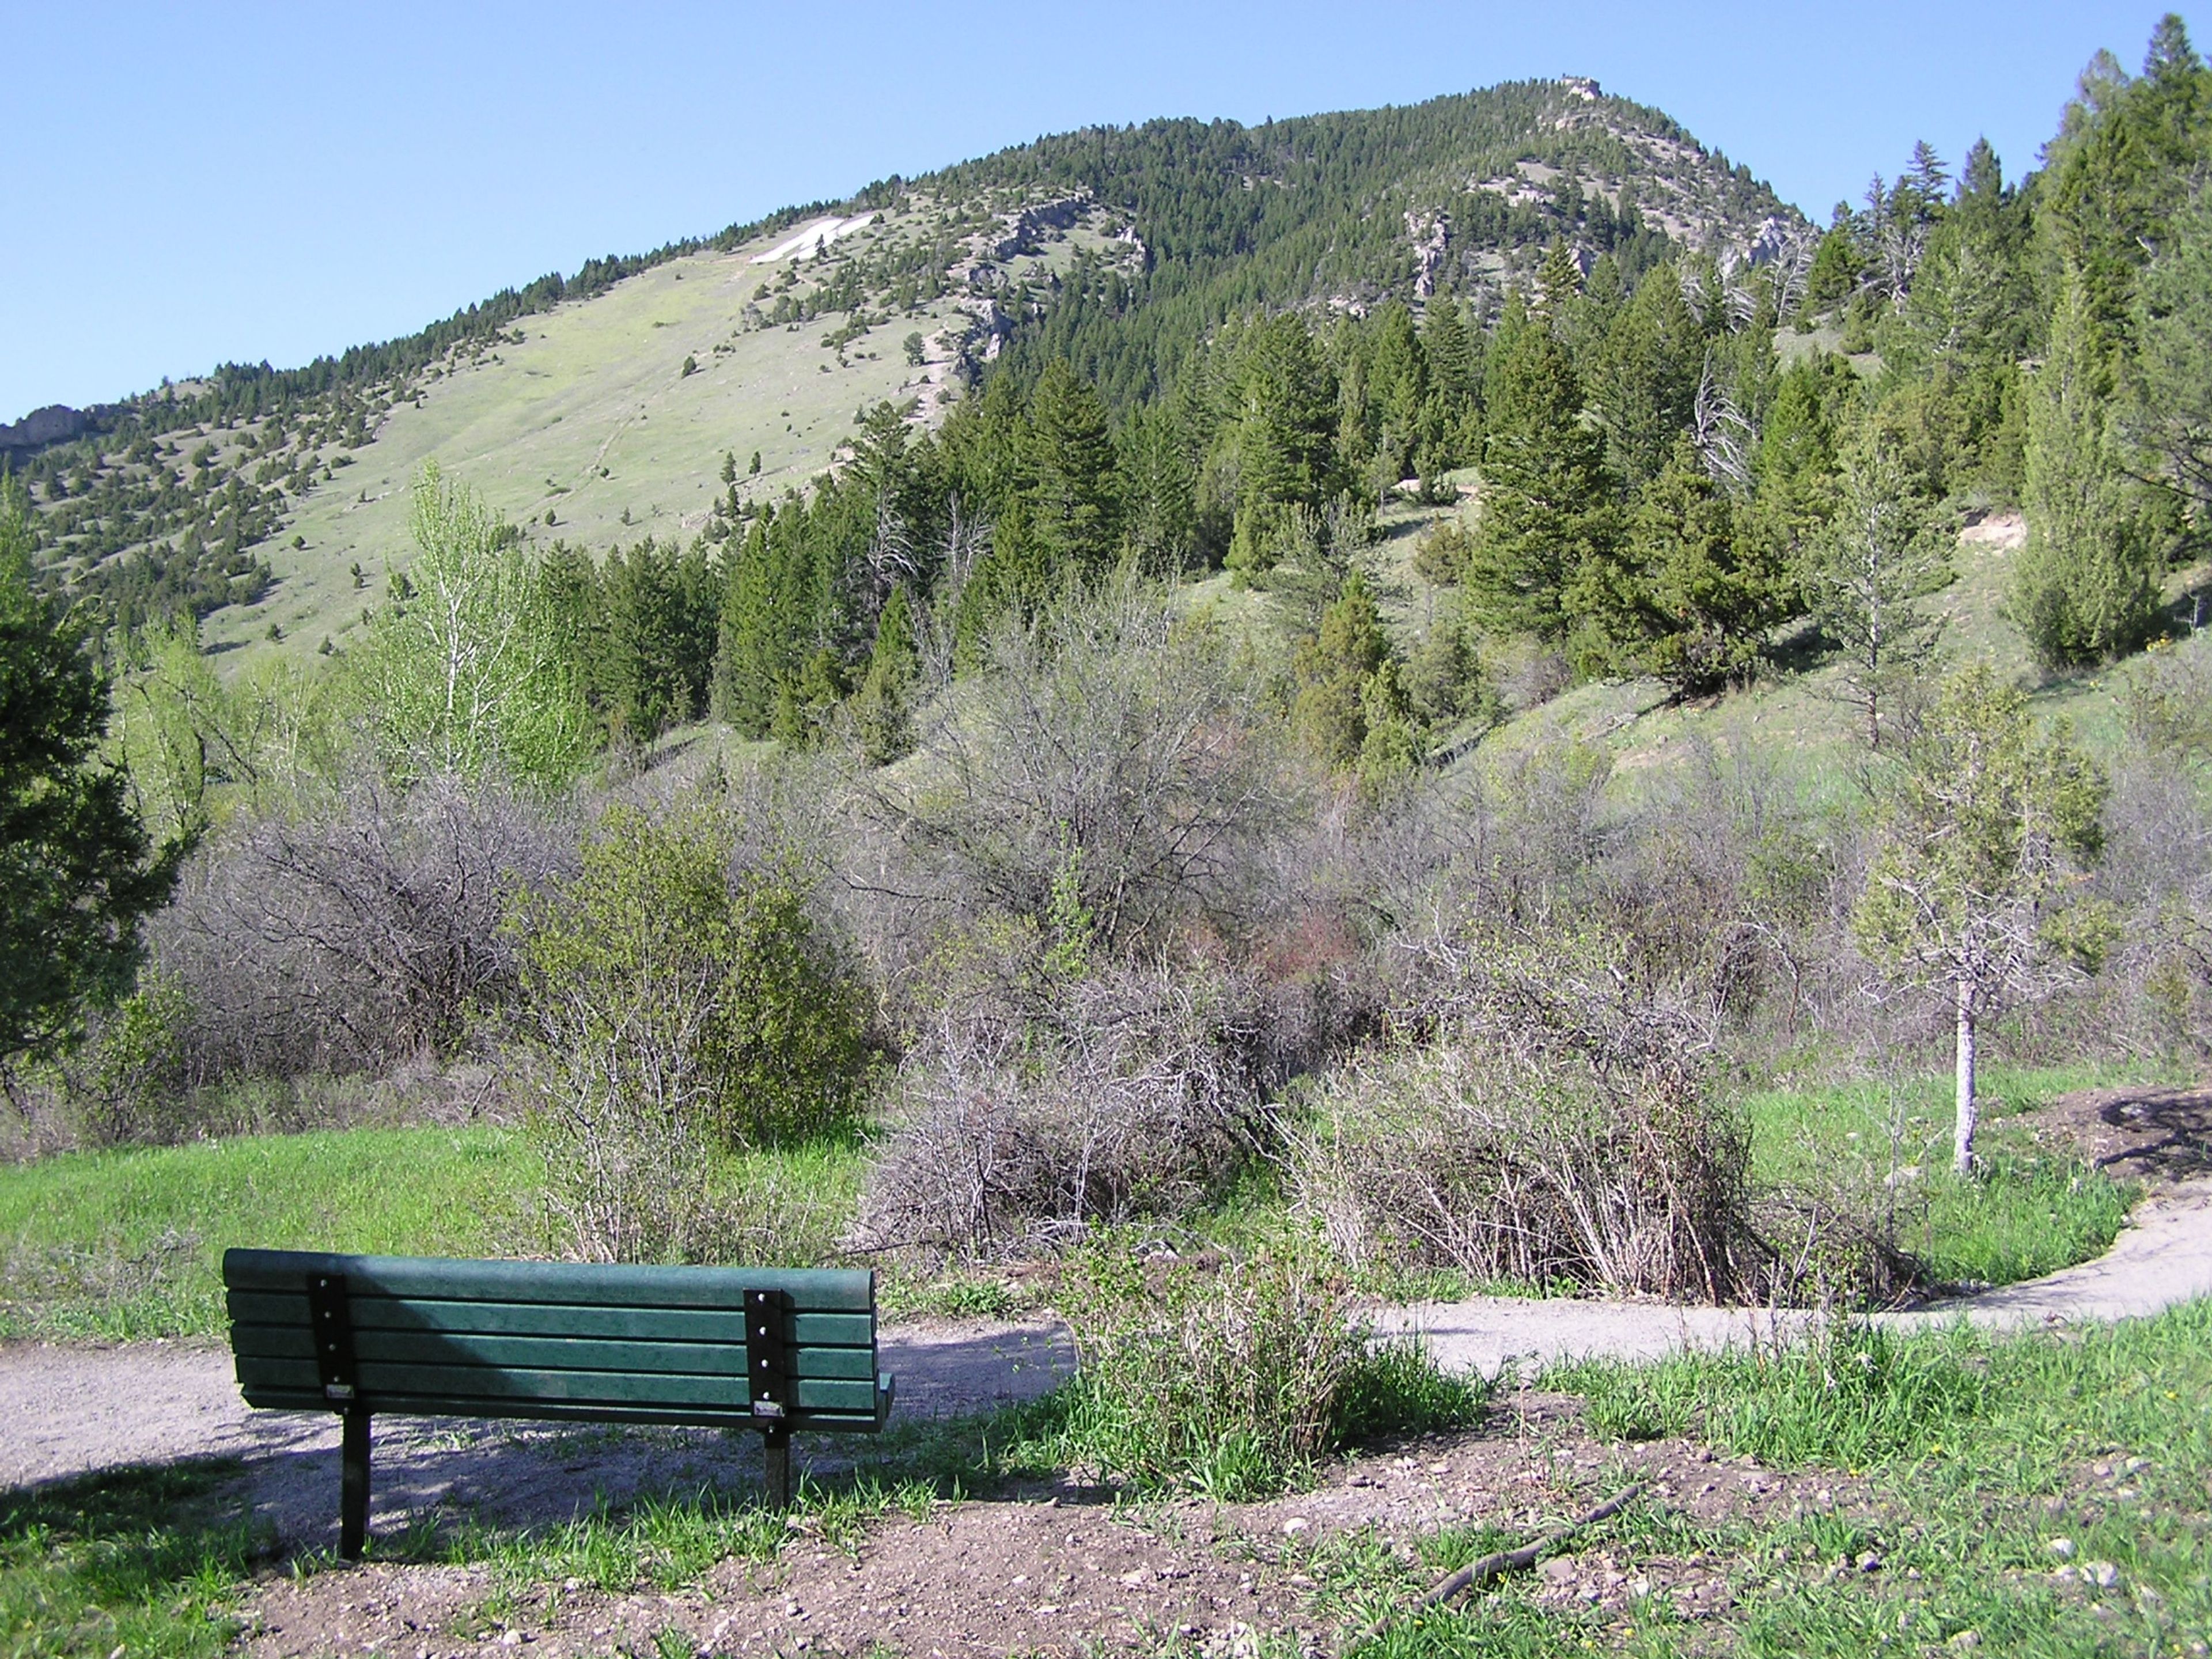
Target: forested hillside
x=1120, y=249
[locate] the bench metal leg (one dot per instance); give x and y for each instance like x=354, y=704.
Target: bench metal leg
x=353, y=1490
x=775, y=1454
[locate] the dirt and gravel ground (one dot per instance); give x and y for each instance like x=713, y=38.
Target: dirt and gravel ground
x=1055, y=1569
x=1063, y=1571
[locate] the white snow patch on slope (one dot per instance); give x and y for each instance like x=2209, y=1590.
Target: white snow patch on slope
x=813, y=236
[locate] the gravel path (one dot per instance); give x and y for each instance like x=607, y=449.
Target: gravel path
x=2164, y=1257
x=73, y=1409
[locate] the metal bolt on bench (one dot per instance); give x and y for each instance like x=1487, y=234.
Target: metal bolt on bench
x=772, y=1349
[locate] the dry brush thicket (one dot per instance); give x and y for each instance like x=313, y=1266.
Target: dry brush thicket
x=1110, y=942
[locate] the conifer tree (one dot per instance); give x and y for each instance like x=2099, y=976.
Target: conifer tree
x=1397, y=382
x=77, y=870
x=1689, y=599
x=1547, y=503
x=1646, y=377
x=2086, y=586
x=1159, y=488
x=882, y=710
x=1867, y=572
x=1280, y=436
x=1333, y=670
x=1450, y=352
x=2169, y=410
x=1074, y=486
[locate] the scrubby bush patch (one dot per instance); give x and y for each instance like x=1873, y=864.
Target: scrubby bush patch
x=675, y=1011
x=1556, y=1125
x=1230, y=1377
x=1022, y=1117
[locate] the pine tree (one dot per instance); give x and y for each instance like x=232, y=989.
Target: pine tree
x=1866, y=573
x=1159, y=488
x=1279, y=435
x=77, y=870
x=1548, y=504
x=1645, y=379
x=1398, y=382
x=2086, y=586
x=1689, y=599
x=1073, y=485
x=1558, y=280
x=1450, y=353
x=2169, y=410
x=881, y=707
x=1333, y=670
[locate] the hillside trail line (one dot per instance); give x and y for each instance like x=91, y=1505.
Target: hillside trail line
x=71, y=1409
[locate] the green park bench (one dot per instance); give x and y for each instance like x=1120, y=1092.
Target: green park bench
x=771, y=1349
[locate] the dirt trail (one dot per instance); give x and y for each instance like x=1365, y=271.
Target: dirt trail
x=71, y=1410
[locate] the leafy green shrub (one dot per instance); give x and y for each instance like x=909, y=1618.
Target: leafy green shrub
x=671, y=1012
x=1230, y=1378
x=129, y=1086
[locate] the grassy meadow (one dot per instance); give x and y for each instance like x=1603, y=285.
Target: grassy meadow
x=121, y=1246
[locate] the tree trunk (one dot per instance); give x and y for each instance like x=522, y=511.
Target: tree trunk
x=1962, y=1130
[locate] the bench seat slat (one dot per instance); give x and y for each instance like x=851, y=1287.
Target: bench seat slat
x=852, y=1330
x=553, y=1410
x=816, y=1290
x=670, y=1390
x=548, y=1353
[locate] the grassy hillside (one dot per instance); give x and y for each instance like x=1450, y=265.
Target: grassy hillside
x=585, y=413
x=591, y=418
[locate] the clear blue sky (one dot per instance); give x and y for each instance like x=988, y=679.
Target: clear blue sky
x=188, y=184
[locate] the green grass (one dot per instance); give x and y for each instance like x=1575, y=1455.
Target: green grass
x=139, y=1561
x=1961, y=1459
x=1980, y=1453
x=2035, y=1209
x=125, y=1245
x=122, y=1246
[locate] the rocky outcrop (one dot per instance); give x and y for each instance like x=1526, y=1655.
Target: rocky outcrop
x=56, y=423
x=1023, y=230
x=1430, y=235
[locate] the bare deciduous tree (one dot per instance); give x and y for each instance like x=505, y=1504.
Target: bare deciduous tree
x=1109, y=737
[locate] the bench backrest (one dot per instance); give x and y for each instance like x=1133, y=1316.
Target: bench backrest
x=316, y=1332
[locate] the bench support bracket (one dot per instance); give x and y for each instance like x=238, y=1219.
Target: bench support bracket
x=775, y=1455
x=353, y=1487
x=767, y=1370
